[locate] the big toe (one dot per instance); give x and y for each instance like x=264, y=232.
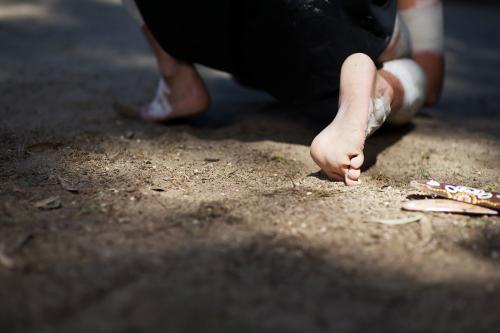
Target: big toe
x=357, y=161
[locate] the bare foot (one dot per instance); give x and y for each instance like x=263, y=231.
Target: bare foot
x=338, y=149
x=182, y=92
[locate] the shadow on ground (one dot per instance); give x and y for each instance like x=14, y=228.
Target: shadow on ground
x=119, y=256
x=229, y=278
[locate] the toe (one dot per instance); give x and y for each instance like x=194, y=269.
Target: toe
x=357, y=161
x=354, y=174
x=335, y=176
x=350, y=182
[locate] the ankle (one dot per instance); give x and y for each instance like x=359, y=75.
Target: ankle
x=390, y=87
x=171, y=68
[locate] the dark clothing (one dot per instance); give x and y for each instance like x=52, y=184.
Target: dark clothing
x=293, y=49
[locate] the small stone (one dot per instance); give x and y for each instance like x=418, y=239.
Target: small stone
x=122, y=220
x=298, y=253
x=49, y=203
x=281, y=250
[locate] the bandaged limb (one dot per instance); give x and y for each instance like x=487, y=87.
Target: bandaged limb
x=426, y=25
x=425, y=22
x=131, y=6
x=380, y=109
x=400, y=45
x=414, y=83
x=160, y=108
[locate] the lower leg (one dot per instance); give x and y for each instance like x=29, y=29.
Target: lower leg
x=424, y=19
x=185, y=93
x=181, y=91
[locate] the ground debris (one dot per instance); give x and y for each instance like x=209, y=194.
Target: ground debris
x=397, y=221
x=6, y=261
x=66, y=185
x=426, y=231
x=42, y=147
x=49, y=203
x=129, y=135
x=125, y=110
x=446, y=206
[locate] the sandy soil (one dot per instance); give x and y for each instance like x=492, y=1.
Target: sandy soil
x=223, y=223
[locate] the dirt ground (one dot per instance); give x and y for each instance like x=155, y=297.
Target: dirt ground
x=223, y=223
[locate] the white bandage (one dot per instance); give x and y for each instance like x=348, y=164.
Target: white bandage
x=426, y=25
x=160, y=107
x=133, y=10
x=378, y=113
x=414, y=83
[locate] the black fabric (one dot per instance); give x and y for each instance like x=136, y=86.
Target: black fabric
x=293, y=49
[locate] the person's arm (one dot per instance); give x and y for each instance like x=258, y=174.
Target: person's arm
x=424, y=19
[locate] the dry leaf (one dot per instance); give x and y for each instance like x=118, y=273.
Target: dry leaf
x=49, y=203
x=66, y=185
x=43, y=147
x=400, y=221
x=446, y=206
x=5, y=261
x=125, y=110
x=426, y=231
